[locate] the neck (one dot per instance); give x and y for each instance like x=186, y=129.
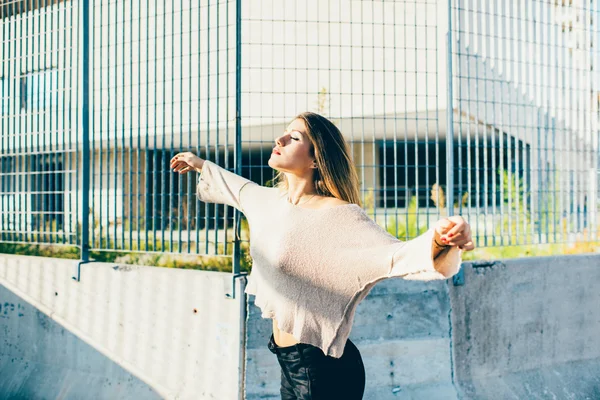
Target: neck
x=299, y=186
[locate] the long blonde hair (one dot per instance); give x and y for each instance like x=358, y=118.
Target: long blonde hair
x=335, y=175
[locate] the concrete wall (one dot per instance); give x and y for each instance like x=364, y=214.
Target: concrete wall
x=522, y=329
x=528, y=328
x=519, y=329
x=40, y=359
x=402, y=330
x=121, y=332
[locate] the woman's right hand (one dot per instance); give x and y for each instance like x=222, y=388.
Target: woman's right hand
x=185, y=162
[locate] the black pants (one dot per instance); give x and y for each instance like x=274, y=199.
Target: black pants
x=308, y=374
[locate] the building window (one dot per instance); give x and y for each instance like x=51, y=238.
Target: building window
x=23, y=93
x=39, y=90
x=4, y=97
x=15, y=7
x=7, y=195
x=473, y=167
x=7, y=165
x=48, y=194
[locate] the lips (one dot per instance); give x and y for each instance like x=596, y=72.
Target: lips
x=275, y=151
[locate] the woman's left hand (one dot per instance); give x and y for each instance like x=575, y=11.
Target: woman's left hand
x=454, y=231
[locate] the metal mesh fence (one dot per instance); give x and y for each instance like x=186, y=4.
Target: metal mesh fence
x=376, y=69
x=39, y=117
x=488, y=110
x=164, y=82
x=526, y=119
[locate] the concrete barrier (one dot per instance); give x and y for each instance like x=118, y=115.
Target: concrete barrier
x=520, y=329
x=40, y=359
x=402, y=329
x=528, y=329
x=121, y=332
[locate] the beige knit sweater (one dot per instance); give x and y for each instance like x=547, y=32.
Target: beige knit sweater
x=312, y=267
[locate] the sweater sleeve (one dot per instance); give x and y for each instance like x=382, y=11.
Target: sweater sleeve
x=414, y=260
x=218, y=185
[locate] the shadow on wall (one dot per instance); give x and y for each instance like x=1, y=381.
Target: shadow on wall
x=39, y=359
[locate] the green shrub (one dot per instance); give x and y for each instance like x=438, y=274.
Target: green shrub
x=406, y=227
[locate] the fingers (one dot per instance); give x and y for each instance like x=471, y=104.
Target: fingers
x=178, y=166
x=176, y=157
x=451, y=227
x=458, y=241
x=180, y=157
x=182, y=167
x=459, y=226
x=467, y=246
x=454, y=237
x=443, y=225
x=455, y=231
x=185, y=162
x=459, y=237
x=459, y=232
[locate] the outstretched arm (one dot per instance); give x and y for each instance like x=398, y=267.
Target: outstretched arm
x=215, y=184
x=436, y=254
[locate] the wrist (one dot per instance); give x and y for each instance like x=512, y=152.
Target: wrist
x=439, y=245
x=198, y=166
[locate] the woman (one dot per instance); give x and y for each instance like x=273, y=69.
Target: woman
x=316, y=254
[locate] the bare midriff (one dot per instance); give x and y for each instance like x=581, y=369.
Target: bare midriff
x=282, y=339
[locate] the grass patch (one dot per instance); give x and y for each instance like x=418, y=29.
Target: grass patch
x=531, y=250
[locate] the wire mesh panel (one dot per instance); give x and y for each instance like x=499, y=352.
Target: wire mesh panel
x=38, y=122
x=375, y=69
x=526, y=119
x=164, y=82
x=489, y=110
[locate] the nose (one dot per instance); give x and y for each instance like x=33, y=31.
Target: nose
x=278, y=141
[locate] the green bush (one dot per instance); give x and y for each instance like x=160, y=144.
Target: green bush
x=406, y=227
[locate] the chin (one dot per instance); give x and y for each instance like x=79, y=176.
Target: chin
x=274, y=161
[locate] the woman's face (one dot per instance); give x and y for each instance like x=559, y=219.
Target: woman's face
x=291, y=152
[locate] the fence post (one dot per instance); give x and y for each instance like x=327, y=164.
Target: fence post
x=449, y=121
x=85, y=134
x=237, y=151
x=238, y=169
